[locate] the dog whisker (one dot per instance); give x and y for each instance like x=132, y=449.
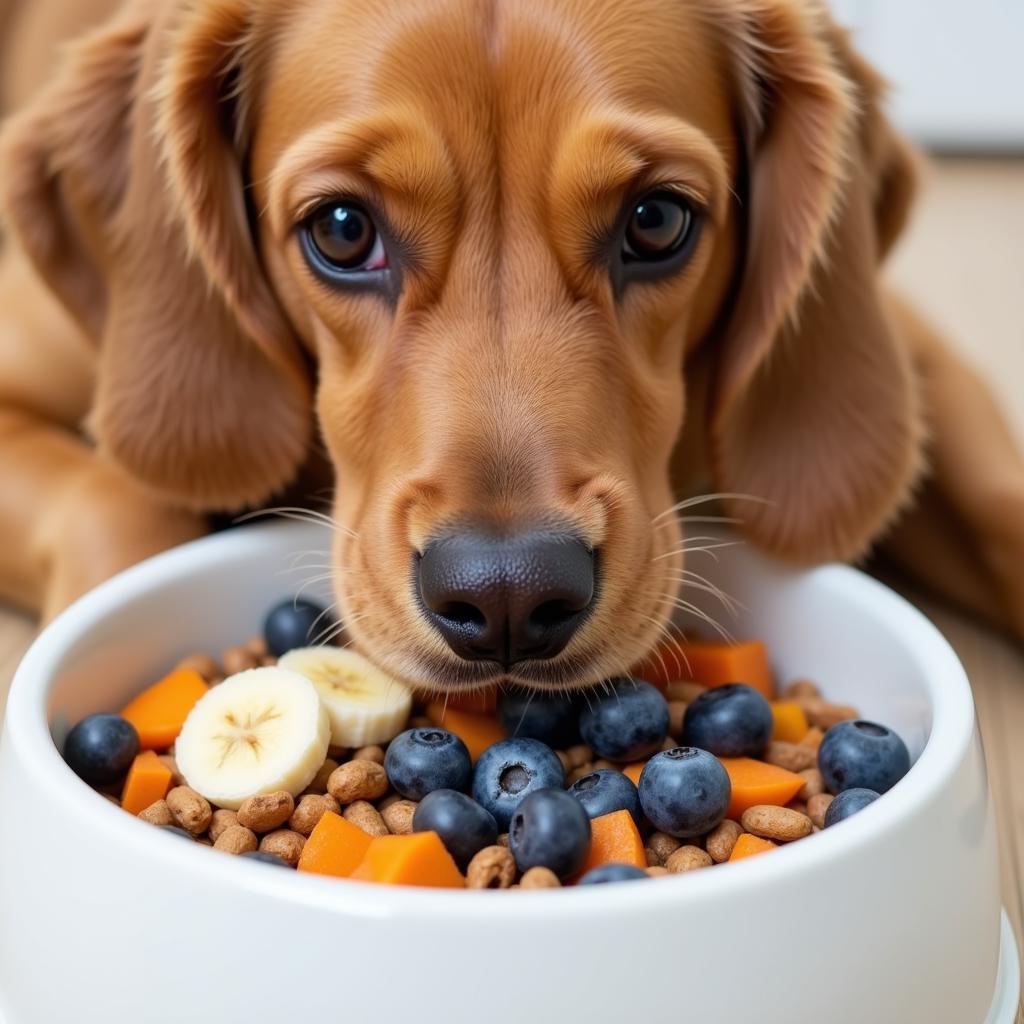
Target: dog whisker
x=694, y=550
x=700, y=499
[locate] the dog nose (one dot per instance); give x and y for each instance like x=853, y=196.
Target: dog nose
x=507, y=599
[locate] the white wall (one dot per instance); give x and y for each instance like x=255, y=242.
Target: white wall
x=957, y=67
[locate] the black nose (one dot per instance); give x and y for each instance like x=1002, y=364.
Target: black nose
x=506, y=599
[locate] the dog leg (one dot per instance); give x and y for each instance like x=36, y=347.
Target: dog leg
x=965, y=535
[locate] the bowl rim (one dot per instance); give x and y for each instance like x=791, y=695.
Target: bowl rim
x=26, y=731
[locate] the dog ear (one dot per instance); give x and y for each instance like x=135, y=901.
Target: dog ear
x=814, y=403
x=124, y=187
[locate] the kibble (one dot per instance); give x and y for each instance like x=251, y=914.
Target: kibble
x=221, y=821
x=367, y=817
x=285, y=844
x=157, y=814
x=191, y=811
x=722, y=839
x=661, y=846
x=319, y=783
x=398, y=816
x=237, y=839
x=794, y=757
x=267, y=811
x=776, y=823
x=539, y=878
x=676, y=713
x=688, y=858
x=493, y=867
x=374, y=753
x=357, y=780
x=816, y=808
x=813, y=783
x=238, y=659
x=309, y=810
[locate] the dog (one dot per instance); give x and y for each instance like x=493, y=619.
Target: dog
x=524, y=278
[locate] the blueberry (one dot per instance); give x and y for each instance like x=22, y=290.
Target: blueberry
x=862, y=755
x=101, y=748
x=729, y=721
x=550, y=829
x=294, y=623
x=684, y=791
x=464, y=826
x=266, y=858
x=613, y=873
x=419, y=761
x=850, y=801
x=175, y=831
x=606, y=791
x=551, y=718
x=510, y=770
x=626, y=723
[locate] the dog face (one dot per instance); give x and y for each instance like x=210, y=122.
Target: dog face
x=484, y=243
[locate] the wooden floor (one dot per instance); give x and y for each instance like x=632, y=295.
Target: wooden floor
x=962, y=262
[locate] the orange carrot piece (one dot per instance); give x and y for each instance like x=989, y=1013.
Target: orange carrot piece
x=159, y=712
x=749, y=846
x=335, y=847
x=416, y=859
x=478, y=732
x=714, y=664
x=755, y=782
x=148, y=780
x=632, y=771
x=789, y=723
x=615, y=839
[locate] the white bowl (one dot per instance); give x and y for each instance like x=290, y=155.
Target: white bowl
x=891, y=917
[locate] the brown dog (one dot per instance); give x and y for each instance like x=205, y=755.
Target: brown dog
x=534, y=269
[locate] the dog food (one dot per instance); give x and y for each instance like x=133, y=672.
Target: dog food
x=311, y=758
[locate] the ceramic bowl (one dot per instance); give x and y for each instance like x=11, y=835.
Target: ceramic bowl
x=893, y=916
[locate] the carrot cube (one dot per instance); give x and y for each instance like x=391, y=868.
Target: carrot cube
x=334, y=847
x=749, y=846
x=615, y=839
x=477, y=731
x=149, y=780
x=789, y=723
x=416, y=859
x=159, y=712
x=755, y=782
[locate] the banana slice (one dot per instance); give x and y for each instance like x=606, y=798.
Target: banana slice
x=259, y=731
x=363, y=703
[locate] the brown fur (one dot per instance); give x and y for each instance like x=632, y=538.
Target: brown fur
x=154, y=183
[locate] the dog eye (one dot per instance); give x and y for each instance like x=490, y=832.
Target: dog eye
x=343, y=238
x=659, y=226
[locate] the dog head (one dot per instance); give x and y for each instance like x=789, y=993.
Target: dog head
x=508, y=258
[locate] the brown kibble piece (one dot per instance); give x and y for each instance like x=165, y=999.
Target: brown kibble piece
x=319, y=783
x=813, y=783
x=579, y=755
x=603, y=764
x=221, y=821
x=206, y=666
x=236, y=839
x=283, y=843
x=823, y=715
x=157, y=813
x=816, y=808
x=365, y=816
x=654, y=871
x=191, y=811
x=539, y=878
x=684, y=690
x=676, y=713
x=373, y=753
x=238, y=659
x=357, y=780
x=800, y=690
x=777, y=823
x=794, y=757
x=721, y=839
x=493, y=867
x=309, y=810
x=267, y=811
x=688, y=858
x=812, y=738
x=662, y=846
x=796, y=804
x=257, y=646
x=503, y=839
x=398, y=817
x=563, y=757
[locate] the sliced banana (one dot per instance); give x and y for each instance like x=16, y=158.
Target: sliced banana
x=259, y=731
x=364, y=704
